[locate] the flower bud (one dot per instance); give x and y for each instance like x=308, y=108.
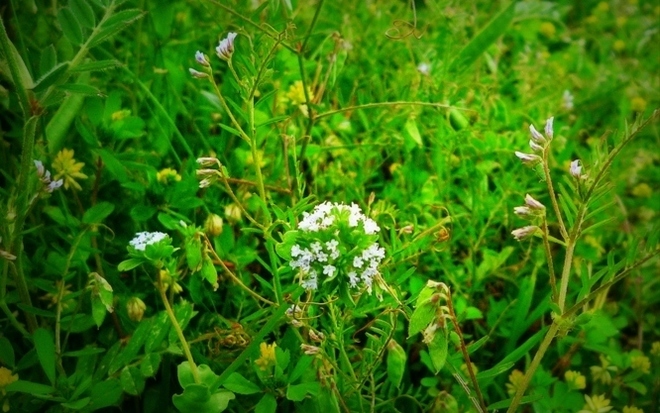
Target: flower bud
x=197, y=74
x=528, y=159
x=225, y=48
x=548, y=128
x=233, y=213
x=213, y=225
x=135, y=308
x=576, y=169
x=309, y=350
x=202, y=59
x=533, y=203
x=536, y=136
x=535, y=146
x=524, y=232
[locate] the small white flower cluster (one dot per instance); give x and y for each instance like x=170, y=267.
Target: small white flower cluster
x=325, y=259
x=538, y=143
x=44, y=176
x=142, y=239
x=323, y=217
x=224, y=51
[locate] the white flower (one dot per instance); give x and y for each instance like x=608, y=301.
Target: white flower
x=533, y=203
x=54, y=185
x=332, y=247
x=522, y=211
x=44, y=176
x=567, y=99
x=353, y=279
x=535, y=146
x=225, y=48
x=329, y=270
x=370, y=226
x=576, y=169
x=142, y=239
x=197, y=74
x=548, y=128
x=358, y=262
x=311, y=282
x=424, y=68
x=536, y=136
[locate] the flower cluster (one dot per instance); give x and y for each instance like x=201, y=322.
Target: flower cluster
x=67, y=168
x=337, y=243
x=538, y=143
x=142, y=239
x=532, y=210
x=224, y=50
x=44, y=176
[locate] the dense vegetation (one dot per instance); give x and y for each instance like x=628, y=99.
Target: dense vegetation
x=345, y=206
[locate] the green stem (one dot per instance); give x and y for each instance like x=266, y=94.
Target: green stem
x=256, y=159
x=179, y=332
x=551, y=190
x=548, y=254
x=8, y=51
x=545, y=344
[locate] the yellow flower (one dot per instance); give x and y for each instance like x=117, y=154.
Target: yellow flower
x=167, y=175
x=632, y=409
x=548, y=30
x=6, y=378
x=638, y=104
x=135, y=308
x=642, y=190
x=267, y=358
x=515, y=380
x=575, y=380
x=655, y=349
x=68, y=169
x=619, y=45
x=296, y=93
x=640, y=363
x=596, y=404
x=602, y=373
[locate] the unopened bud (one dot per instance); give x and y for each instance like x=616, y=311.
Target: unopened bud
x=309, y=350
x=197, y=74
x=524, y=232
x=135, y=308
x=233, y=213
x=213, y=225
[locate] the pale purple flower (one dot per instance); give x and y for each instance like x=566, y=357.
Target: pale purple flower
x=576, y=169
x=533, y=203
x=528, y=159
x=40, y=167
x=202, y=59
x=197, y=74
x=54, y=185
x=535, y=146
x=536, y=136
x=523, y=211
x=225, y=48
x=548, y=128
x=524, y=232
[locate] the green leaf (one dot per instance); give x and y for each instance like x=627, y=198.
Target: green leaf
x=239, y=384
x=97, y=66
x=194, y=253
x=78, y=404
x=301, y=367
x=48, y=59
x=206, y=375
x=51, y=77
x=45, y=346
x=267, y=404
x=79, y=89
x=135, y=343
x=22, y=386
x=487, y=36
x=70, y=25
x=412, y=132
x=438, y=348
x=98, y=213
x=196, y=398
x=105, y=393
x=132, y=381
x=298, y=392
x=114, y=25
x=497, y=370
x=130, y=263
x=149, y=365
x=83, y=12
x=396, y=363
x=99, y=310
x=423, y=315
x=159, y=329
x=638, y=387
x=7, y=352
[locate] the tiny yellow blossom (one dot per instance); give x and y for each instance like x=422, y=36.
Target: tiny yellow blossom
x=641, y=363
x=602, y=373
x=642, y=190
x=296, y=93
x=120, y=114
x=638, y=104
x=603, y=7
x=619, y=45
x=548, y=30
x=655, y=349
x=515, y=380
x=267, y=357
x=68, y=169
x=233, y=213
x=135, y=308
x=575, y=380
x=632, y=409
x=168, y=175
x=6, y=378
x=596, y=404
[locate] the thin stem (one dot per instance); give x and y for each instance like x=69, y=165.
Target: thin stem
x=551, y=190
x=179, y=332
x=256, y=159
x=466, y=355
x=232, y=275
x=224, y=105
x=548, y=254
x=8, y=51
x=545, y=344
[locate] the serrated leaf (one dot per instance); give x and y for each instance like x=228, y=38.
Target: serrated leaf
x=83, y=12
x=45, y=347
x=70, y=25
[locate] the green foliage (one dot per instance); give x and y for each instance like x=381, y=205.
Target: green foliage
x=155, y=219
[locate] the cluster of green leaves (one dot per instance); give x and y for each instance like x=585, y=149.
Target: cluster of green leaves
x=337, y=107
